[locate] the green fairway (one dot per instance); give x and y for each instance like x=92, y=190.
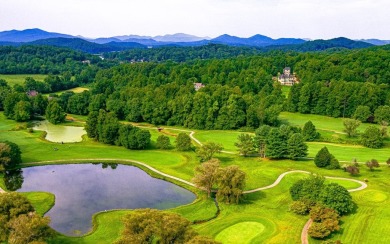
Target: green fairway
x=243, y=232
x=263, y=217
x=19, y=79
x=349, y=152
x=321, y=122
x=42, y=201
x=225, y=138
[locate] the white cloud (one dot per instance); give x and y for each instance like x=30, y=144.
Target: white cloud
x=275, y=18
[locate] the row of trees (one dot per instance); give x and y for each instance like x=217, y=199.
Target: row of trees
x=280, y=142
x=337, y=98
x=105, y=127
x=44, y=60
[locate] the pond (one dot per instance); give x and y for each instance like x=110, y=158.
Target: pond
x=60, y=133
x=82, y=190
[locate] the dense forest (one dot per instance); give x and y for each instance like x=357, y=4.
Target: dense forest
x=239, y=92
x=181, y=54
x=46, y=60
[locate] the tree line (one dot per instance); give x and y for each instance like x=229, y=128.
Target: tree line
x=45, y=60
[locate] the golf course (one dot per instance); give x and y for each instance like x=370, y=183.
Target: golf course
x=262, y=217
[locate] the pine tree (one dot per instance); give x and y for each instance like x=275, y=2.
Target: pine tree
x=309, y=131
x=276, y=144
x=296, y=147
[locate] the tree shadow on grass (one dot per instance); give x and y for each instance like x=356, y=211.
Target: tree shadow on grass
x=253, y=197
x=225, y=159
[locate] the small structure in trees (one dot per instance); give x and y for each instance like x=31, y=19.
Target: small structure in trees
x=287, y=79
x=197, y=86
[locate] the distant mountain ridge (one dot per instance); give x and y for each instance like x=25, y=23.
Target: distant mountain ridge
x=29, y=35
x=119, y=43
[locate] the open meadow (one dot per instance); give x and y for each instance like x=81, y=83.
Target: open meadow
x=19, y=79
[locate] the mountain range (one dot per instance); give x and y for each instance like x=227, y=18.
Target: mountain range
x=119, y=43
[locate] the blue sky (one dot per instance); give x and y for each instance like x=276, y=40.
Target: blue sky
x=314, y=19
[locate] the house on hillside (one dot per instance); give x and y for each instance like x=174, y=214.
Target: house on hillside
x=32, y=93
x=287, y=79
x=197, y=86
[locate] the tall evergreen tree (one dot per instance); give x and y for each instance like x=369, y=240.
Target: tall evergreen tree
x=276, y=144
x=296, y=147
x=309, y=131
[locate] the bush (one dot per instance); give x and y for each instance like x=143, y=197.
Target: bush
x=300, y=207
x=307, y=189
x=372, y=137
x=336, y=197
x=183, y=142
x=352, y=169
x=323, y=158
x=163, y=142
x=309, y=131
x=372, y=164
x=325, y=221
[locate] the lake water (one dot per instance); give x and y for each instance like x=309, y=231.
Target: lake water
x=82, y=190
x=60, y=133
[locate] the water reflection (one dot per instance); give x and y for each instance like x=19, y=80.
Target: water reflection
x=84, y=189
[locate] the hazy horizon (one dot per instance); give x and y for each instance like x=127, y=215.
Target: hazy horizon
x=314, y=19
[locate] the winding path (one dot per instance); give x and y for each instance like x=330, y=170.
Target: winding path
x=304, y=234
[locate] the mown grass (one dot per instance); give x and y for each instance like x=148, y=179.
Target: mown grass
x=225, y=138
x=321, y=122
x=269, y=208
x=41, y=201
x=19, y=79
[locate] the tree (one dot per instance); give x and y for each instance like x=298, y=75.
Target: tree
x=276, y=144
x=54, y=113
x=183, y=142
x=163, y=142
x=10, y=155
x=296, y=146
x=352, y=169
x=372, y=137
x=206, y=175
x=231, y=183
x=245, y=144
x=309, y=131
x=322, y=158
x=23, y=111
x=18, y=223
x=307, y=189
x=372, y=164
x=325, y=221
x=350, y=126
x=261, y=139
x=336, y=197
x=154, y=226
x=207, y=150
x=29, y=228
x=382, y=113
x=388, y=161
x=132, y=137
x=362, y=113
x=91, y=124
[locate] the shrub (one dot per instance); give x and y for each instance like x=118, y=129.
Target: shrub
x=372, y=164
x=163, y=142
x=300, y=207
x=323, y=158
x=336, y=197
